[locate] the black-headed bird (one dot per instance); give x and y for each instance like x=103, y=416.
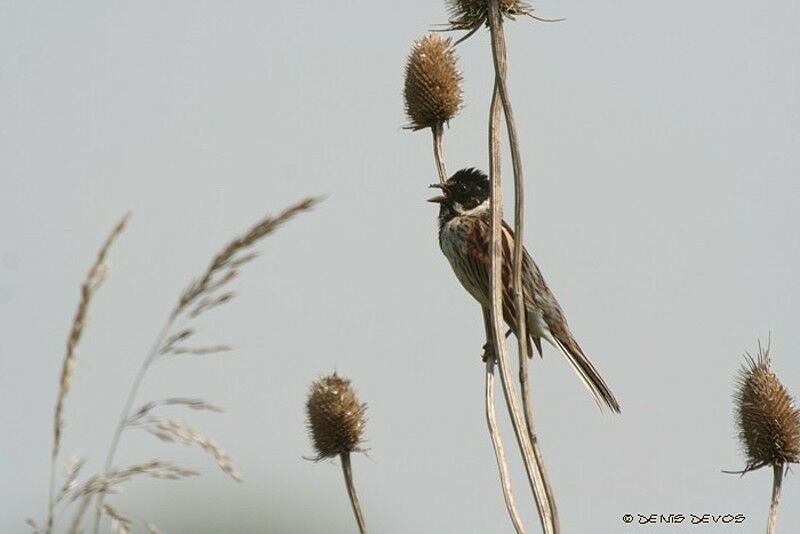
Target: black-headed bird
x=464, y=237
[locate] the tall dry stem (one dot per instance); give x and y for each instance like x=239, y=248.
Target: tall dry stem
x=497, y=340
x=499, y=57
x=533, y=464
x=494, y=433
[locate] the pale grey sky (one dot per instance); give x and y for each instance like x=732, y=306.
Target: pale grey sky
x=660, y=145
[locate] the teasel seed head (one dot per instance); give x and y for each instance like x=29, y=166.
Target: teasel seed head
x=335, y=417
x=470, y=14
x=433, y=83
x=769, y=422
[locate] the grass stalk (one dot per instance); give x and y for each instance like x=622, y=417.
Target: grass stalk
x=127, y=407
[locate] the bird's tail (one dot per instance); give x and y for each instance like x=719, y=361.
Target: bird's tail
x=588, y=373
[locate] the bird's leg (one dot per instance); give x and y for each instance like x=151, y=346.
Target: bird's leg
x=488, y=349
x=488, y=352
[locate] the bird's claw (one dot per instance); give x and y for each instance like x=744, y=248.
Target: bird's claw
x=488, y=352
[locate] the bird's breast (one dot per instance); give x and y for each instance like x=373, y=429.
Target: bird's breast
x=454, y=239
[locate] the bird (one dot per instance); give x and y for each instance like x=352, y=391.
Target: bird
x=464, y=237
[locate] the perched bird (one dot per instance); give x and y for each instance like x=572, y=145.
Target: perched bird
x=464, y=237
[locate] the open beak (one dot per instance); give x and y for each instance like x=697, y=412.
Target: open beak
x=439, y=199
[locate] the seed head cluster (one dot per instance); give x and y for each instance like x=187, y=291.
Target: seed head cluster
x=769, y=422
x=470, y=14
x=335, y=417
x=433, y=84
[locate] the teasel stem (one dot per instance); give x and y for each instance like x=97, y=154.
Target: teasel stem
x=494, y=433
x=537, y=450
x=351, y=491
x=534, y=463
x=438, y=151
x=497, y=339
x=491, y=419
x=777, y=482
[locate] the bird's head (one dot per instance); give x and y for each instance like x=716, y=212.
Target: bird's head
x=466, y=192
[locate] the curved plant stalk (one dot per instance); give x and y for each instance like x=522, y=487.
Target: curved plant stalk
x=532, y=457
x=537, y=450
x=491, y=419
x=777, y=482
x=128, y=406
x=494, y=433
x=193, y=301
x=438, y=151
x=500, y=63
x=535, y=477
x=347, y=469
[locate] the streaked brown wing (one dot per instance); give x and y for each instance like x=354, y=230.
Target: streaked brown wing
x=477, y=267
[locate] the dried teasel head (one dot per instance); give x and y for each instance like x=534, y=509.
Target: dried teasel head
x=433, y=84
x=470, y=14
x=769, y=422
x=335, y=417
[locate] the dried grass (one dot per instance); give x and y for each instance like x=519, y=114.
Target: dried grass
x=91, y=283
x=201, y=296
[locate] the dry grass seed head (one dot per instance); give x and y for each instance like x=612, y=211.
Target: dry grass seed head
x=433, y=84
x=94, y=278
x=172, y=430
x=227, y=258
x=768, y=421
x=470, y=14
x=119, y=522
x=335, y=417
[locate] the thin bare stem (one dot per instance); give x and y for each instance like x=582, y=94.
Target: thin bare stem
x=491, y=419
x=500, y=62
x=533, y=465
x=499, y=56
x=438, y=152
x=155, y=349
x=777, y=482
x=347, y=469
x=527, y=407
x=497, y=339
x=78, y=518
x=494, y=433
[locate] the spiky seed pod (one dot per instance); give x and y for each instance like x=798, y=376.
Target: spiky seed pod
x=335, y=417
x=433, y=84
x=769, y=422
x=470, y=14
